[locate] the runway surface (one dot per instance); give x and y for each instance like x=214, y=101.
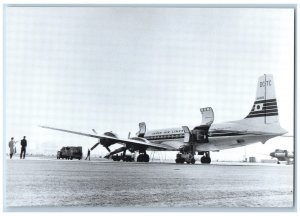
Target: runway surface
x=62, y=183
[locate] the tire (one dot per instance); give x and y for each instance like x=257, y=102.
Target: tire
x=139, y=158
x=193, y=161
x=208, y=160
x=146, y=158
x=143, y=158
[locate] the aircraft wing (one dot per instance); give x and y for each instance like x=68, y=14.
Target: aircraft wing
x=133, y=141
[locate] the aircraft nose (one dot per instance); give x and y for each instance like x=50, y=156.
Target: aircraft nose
x=272, y=154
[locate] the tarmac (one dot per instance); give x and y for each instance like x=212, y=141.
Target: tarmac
x=51, y=184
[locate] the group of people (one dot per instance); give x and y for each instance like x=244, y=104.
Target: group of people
x=12, y=147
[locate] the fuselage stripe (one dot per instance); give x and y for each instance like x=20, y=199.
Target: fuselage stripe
x=266, y=112
x=211, y=134
x=262, y=115
x=265, y=101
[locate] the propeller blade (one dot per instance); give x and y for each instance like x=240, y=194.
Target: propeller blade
x=107, y=156
x=107, y=148
x=124, y=152
x=94, y=131
x=129, y=135
x=94, y=146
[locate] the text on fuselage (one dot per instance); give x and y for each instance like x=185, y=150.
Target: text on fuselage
x=265, y=83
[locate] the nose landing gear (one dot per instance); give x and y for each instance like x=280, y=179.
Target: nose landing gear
x=188, y=158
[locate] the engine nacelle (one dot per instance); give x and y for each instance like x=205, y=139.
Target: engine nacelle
x=108, y=142
x=280, y=155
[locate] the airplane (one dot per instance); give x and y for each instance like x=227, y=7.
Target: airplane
x=282, y=155
x=260, y=125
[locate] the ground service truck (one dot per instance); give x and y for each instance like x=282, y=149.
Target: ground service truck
x=70, y=153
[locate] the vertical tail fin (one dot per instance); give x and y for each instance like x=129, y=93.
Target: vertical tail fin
x=264, y=109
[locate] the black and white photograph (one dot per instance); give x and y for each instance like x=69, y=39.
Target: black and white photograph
x=148, y=107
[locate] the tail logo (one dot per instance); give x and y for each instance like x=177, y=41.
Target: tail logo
x=264, y=108
x=258, y=107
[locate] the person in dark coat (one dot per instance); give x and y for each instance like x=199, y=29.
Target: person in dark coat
x=88, y=155
x=23, y=147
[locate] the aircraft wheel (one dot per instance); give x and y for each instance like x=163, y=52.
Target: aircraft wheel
x=193, y=161
x=140, y=158
x=143, y=158
x=206, y=160
x=179, y=160
x=146, y=158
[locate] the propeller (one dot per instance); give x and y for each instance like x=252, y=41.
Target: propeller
x=94, y=146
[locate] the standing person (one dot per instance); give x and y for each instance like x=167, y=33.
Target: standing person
x=88, y=155
x=11, y=145
x=23, y=148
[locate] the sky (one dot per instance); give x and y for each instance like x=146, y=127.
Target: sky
x=109, y=68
